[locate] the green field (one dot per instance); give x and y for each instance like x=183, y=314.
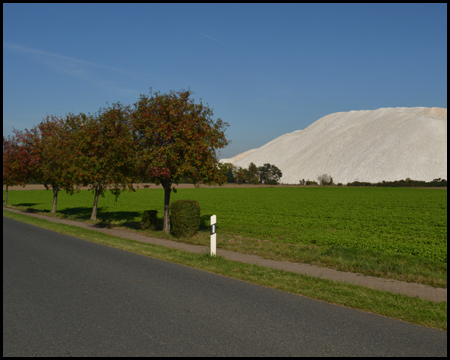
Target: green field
x=391, y=220
x=397, y=233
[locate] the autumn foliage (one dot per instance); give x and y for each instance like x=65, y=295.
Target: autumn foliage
x=52, y=158
x=17, y=161
x=163, y=138
x=104, y=151
x=177, y=139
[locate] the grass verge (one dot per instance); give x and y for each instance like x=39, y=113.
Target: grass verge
x=369, y=262
x=414, y=310
x=375, y=263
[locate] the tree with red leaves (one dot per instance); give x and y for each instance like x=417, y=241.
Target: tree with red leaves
x=177, y=139
x=52, y=166
x=8, y=156
x=103, y=145
x=17, y=161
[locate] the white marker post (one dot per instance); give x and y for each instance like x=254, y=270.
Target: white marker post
x=213, y=235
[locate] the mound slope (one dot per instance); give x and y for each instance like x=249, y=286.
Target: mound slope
x=370, y=145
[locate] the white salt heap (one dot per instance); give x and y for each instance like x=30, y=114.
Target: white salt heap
x=370, y=145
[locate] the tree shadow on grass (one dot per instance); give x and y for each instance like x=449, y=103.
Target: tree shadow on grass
x=106, y=219
x=32, y=210
x=26, y=204
x=27, y=207
x=84, y=213
x=122, y=218
x=127, y=219
x=137, y=225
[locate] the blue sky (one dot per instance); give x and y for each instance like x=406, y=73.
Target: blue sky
x=266, y=69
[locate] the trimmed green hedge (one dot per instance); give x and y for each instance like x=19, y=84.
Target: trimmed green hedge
x=185, y=217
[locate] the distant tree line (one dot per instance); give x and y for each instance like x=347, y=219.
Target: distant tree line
x=403, y=183
x=328, y=180
x=267, y=174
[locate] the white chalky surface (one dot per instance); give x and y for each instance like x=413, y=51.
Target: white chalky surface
x=369, y=145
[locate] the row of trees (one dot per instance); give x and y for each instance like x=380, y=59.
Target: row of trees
x=267, y=174
x=403, y=183
x=326, y=179
x=162, y=138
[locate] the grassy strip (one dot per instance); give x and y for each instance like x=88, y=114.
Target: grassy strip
x=370, y=262
x=395, y=306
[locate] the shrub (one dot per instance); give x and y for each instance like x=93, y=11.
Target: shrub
x=325, y=179
x=149, y=219
x=310, y=182
x=185, y=217
x=359, y=183
x=271, y=182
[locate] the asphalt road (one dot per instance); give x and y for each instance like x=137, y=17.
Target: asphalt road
x=64, y=296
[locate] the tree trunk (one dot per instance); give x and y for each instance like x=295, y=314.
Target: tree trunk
x=6, y=195
x=55, y=198
x=94, y=209
x=167, y=189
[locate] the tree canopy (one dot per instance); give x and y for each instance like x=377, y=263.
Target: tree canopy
x=104, y=149
x=269, y=174
x=17, y=161
x=47, y=144
x=177, y=139
x=163, y=138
